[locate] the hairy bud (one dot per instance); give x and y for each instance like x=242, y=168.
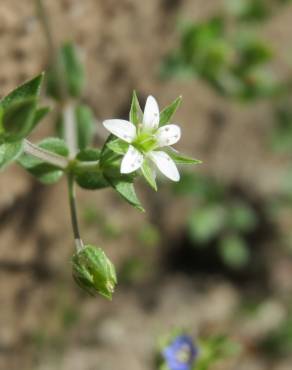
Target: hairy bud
x=94, y=272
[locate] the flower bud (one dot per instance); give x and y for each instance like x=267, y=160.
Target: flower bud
x=94, y=272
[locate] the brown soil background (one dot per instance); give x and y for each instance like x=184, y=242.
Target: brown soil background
x=123, y=43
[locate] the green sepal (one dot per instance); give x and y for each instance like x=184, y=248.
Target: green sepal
x=18, y=119
x=136, y=113
x=149, y=174
x=88, y=155
x=109, y=160
x=43, y=171
x=94, y=272
x=9, y=152
x=93, y=179
x=125, y=187
x=181, y=158
x=110, y=163
x=168, y=112
x=85, y=125
x=118, y=146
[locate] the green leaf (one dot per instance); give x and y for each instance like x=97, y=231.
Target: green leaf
x=206, y=222
x=136, y=113
x=45, y=172
x=181, y=158
x=118, y=146
x=234, y=251
x=168, y=112
x=148, y=174
x=242, y=217
x=213, y=349
x=74, y=70
x=18, y=119
x=125, y=188
x=73, y=76
x=29, y=89
x=9, y=152
x=85, y=125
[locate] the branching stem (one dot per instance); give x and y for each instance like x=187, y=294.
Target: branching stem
x=45, y=155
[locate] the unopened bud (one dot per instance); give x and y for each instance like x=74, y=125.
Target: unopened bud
x=94, y=272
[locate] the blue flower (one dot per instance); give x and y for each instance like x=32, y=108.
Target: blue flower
x=181, y=353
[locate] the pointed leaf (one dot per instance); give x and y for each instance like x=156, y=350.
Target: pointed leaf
x=27, y=90
x=73, y=69
x=136, y=113
x=18, y=119
x=118, y=146
x=168, y=112
x=73, y=76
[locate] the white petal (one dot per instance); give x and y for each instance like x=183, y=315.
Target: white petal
x=168, y=135
x=151, y=114
x=165, y=164
x=132, y=160
x=123, y=129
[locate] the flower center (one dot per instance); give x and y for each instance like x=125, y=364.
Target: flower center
x=145, y=142
x=184, y=354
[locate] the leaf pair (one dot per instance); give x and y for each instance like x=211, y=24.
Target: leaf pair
x=67, y=76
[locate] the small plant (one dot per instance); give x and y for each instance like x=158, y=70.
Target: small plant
x=128, y=152
x=178, y=351
x=233, y=60
x=218, y=216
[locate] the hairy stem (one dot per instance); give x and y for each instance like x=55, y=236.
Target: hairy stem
x=45, y=155
x=73, y=211
x=67, y=111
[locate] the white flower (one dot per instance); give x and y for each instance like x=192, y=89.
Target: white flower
x=145, y=140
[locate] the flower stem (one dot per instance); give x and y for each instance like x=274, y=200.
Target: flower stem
x=45, y=155
x=67, y=108
x=73, y=211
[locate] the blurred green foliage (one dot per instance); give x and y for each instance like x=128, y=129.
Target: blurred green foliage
x=230, y=57
x=281, y=133
x=210, y=350
x=94, y=218
x=279, y=342
x=254, y=10
x=218, y=216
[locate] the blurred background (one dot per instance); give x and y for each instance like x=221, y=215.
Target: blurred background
x=213, y=253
